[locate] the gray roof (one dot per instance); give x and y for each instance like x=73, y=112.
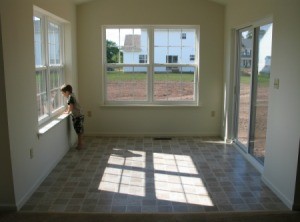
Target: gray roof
x=132, y=43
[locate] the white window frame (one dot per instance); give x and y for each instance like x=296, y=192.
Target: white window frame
x=46, y=67
x=150, y=67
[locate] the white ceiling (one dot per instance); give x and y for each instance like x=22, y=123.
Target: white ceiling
x=77, y=2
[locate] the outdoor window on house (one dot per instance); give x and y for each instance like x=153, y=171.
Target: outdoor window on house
x=142, y=58
x=49, y=69
x=171, y=59
x=139, y=65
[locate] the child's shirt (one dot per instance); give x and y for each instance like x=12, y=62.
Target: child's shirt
x=76, y=112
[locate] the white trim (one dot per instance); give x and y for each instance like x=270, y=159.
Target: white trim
x=250, y=158
x=150, y=134
x=51, y=124
x=145, y=103
x=39, y=181
x=260, y=168
x=280, y=195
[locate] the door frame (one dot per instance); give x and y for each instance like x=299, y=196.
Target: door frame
x=251, y=132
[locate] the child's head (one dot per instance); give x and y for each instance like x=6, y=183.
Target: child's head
x=66, y=88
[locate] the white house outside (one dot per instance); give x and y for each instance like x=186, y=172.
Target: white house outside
x=170, y=47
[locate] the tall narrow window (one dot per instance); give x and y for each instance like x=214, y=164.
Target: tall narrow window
x=151, y=65
x=49, y=69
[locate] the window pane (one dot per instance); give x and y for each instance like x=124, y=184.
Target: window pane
x=56, y=98
x=190, y=39
x=170, y=42
x=41, y=89
x=125, y=45
x=37, y=22
x=126, y=84
x=174, y=83
x=113, y=54
x=175, y=54
x=188, y=55
x=174, y=37
x=161, y=37
x=160, y=54
x=54, y=44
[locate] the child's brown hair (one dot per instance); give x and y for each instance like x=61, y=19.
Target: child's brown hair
x=65, y=88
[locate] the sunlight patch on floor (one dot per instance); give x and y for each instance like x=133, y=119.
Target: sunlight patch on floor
x=178, y=180
x=175, y=177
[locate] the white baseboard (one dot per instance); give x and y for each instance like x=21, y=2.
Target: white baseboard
x=286, y=201
x=250, y=159
x=26, y=197
x=260, y=168
x=150, y=134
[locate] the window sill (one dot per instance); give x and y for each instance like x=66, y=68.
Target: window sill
x=51, y=124
x=155, y=105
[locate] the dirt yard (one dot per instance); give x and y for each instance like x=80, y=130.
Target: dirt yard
x=261, y=112
x=137, y=90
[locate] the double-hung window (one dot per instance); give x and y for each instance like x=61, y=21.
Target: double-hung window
x=49, y=67
x=150, y=65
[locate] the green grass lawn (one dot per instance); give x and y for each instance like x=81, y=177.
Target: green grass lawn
x=262, y=80
x=178, y=77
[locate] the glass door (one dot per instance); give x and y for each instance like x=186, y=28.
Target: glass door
x=260, y=95
x=252, y=89
x=243, y=87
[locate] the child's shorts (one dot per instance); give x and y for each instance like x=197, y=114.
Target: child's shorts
x=78, y=124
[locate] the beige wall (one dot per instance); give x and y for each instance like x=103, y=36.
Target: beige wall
x=284, y=104
x=7, y=199
x=151, y=120
x=20, y=93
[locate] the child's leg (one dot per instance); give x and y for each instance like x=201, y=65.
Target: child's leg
x=78, y=126
x=80, y=141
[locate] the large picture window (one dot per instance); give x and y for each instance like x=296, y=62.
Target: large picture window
x=150, y=65
x=49, y=68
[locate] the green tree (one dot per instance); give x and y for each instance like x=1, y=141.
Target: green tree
x=113, y=53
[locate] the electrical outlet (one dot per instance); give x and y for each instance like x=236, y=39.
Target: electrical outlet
x=212, y=113
x=31, y=153
x=89, y=113
x=276, y=83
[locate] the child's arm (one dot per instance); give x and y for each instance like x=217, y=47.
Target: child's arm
x=69, y=109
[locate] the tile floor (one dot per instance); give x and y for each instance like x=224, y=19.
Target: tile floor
x=138, y=175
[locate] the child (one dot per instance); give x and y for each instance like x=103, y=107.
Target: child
x=75, y=110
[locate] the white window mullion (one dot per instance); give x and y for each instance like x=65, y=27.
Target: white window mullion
x=151, y=64
x=46, y=63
